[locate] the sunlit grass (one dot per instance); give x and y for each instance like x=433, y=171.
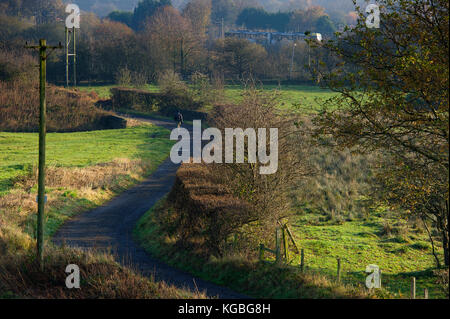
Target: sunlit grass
x=19, y=151
x=290, y=96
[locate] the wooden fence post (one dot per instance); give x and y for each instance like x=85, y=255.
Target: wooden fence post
x=302, y=260
x=380, y=278
x=413, y=288
x=339, y=269
x=277, y=246
x=425, y=293
x=285, y=244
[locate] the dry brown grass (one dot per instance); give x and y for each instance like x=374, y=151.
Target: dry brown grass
x=67, y=111
x=93, y=177
x=95, y=184
x=100, y=276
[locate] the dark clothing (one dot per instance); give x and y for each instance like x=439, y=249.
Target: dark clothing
x=179, y=118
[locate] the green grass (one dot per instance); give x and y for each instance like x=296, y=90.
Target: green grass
x=290, y=96
x=19, y=151
x=361, y=243
x=242, y=274
x=357, y=243
x=149, y=145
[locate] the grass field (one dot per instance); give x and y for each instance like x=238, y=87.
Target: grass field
x=290, y=96
x=84, y=170
x=19, y=151
x=359, y=243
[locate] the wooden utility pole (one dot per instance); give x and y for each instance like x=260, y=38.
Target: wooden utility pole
x=43, y=55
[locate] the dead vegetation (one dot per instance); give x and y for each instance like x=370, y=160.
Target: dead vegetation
x=200, y=212
x=101, y=277
x=78, y=188
x=67, y=111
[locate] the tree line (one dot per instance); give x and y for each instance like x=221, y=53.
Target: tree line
x=153, y=39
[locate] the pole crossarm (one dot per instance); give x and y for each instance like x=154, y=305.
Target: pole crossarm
x=44, y=47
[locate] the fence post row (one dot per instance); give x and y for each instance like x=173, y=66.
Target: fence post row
x=339, y=269
x=277, y=245
x=413, y=288
x=302, y=259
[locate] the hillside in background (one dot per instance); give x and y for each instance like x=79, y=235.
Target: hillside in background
x=103, y=7
x=337, y=9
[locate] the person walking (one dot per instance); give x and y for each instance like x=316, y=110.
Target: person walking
x=179, y=119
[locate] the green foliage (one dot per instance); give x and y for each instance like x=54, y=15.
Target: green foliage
x=394, y=99
x=122, y=17
x=258, y=18
x=145, y=9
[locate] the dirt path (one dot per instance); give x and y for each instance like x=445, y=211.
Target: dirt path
x=111, y=227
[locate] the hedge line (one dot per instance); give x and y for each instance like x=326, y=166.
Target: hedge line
x=163, y=104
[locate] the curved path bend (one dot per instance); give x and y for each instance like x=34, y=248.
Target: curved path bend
x=110, y=227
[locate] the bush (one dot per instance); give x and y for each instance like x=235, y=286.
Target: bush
x=123, y=77
x=201, y=213
x=170, y=83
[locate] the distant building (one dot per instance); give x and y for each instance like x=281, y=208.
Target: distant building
x=271, y=37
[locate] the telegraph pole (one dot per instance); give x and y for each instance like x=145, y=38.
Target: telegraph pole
x=43, y=55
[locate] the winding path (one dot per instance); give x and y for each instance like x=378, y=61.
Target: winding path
x=111, y=226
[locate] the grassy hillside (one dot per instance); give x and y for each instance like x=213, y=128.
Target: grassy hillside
x=67, y=110
x=84, y=170
x=402, y=250
x=101, y=278
x=19, y=151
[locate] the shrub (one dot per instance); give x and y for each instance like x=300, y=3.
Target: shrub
x=200, y=212
x=123, y=77
x=170, y=83
x=16, y=66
